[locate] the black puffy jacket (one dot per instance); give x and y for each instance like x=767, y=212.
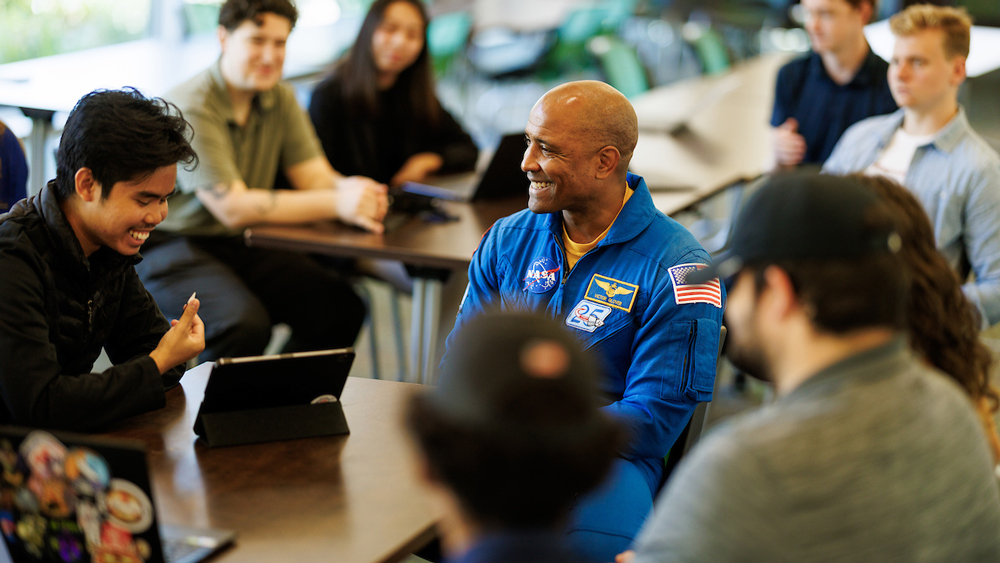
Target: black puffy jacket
x=58, y=308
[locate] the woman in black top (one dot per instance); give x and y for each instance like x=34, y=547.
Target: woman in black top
x=377, y=114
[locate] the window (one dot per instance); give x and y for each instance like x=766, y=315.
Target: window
x=38, y=28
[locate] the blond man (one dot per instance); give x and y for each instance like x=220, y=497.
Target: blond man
x=929, y=147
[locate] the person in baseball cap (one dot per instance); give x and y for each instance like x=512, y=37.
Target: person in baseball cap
x=868, y=453
x=511, y=437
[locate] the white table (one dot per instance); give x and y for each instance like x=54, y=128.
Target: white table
x=43, y=86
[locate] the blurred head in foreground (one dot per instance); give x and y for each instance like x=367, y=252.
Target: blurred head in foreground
x=513, y=434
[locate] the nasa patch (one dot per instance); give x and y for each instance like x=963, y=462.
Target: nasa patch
x=541, y=276
x=588, y=315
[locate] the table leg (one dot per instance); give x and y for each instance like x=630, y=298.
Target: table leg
x=432, y=317
x=415, y=374
x=427, y=283
x=41, y=127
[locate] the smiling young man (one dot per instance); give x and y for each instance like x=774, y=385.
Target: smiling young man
x=248, y=126
x=838, y=84
x=69, y=284
x=594, y=253
x=929, y=147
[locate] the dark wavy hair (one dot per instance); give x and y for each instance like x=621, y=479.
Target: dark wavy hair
x=121, y=136
x=519, y=475
x=943, y=324
x=234, y=12
x=359, y=75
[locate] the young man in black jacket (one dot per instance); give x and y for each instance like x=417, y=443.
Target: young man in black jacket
x=68, y=282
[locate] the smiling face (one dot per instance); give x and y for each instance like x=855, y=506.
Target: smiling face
x=921, y=74
x=834, y=24
x=398, y=39
x=559, y=159
x=253, y=55
x=123, y=221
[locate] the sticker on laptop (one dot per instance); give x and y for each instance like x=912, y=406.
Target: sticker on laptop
x=612, y=292
x=541, y=275
x=327, y=398
x=127, y=506
x=588, y=315
x=87, y=471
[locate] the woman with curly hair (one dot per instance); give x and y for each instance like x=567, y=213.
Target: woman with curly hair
x=943, y=325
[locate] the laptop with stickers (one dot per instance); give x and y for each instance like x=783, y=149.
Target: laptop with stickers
x=276, y=397
x=502, y=178
x=80, y=499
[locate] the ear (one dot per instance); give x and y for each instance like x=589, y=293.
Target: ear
x=958, y=71
x=781, y=299
x=607, y=162
x=866, y=11
x=87, y=187
x=223, y=35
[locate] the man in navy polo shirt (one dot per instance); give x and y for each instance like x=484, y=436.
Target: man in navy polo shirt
x=838, y=84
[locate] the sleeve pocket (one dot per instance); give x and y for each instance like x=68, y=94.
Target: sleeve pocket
x=693, y=352
x=704, y=354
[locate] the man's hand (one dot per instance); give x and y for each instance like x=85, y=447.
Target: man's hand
x=625, y=557
x=363, y=202
x=417, y=168
x=184, y=340
x=789, y=146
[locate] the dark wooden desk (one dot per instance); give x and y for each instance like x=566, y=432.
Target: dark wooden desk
x=344, y=499
x=429, y=249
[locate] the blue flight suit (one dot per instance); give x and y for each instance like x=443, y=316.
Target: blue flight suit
x=658, y=356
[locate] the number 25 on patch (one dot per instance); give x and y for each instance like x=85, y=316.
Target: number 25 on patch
x=588, y=315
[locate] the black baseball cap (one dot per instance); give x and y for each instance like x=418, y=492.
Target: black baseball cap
x=519, y=372
x=800, y=216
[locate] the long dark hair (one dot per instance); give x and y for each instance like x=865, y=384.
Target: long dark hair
x=944, y=326
x=359, y=75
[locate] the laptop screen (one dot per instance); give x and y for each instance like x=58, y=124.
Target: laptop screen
x=75, y=499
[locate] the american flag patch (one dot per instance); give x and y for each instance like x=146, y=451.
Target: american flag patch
x=709, y=292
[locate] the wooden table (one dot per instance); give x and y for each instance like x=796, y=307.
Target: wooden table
x=430, y=250
x=351, y=498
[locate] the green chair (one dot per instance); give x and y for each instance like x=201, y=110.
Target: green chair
x=620, y=64
x=447, y=36
x=711, y=51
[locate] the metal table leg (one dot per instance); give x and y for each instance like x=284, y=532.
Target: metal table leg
x=427, y=283
x=431, y=314
x=416, y=360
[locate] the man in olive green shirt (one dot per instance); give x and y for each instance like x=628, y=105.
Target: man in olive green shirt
x=248, y=127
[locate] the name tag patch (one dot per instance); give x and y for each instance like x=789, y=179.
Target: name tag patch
x=541, y=275
x=612, y=292
x=588, y=315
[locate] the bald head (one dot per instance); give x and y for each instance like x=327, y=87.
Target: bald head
x=595, y=113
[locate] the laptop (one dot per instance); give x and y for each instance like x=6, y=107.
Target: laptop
x=72, y=498
x=502, y=178
x=275, y=397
